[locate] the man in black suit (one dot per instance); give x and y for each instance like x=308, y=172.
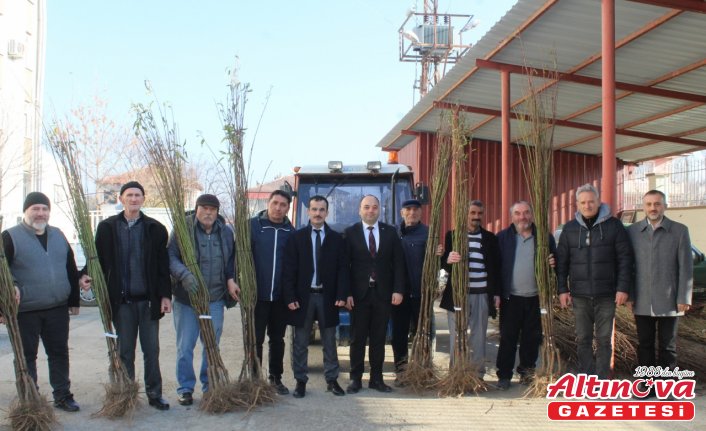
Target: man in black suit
x=377, y=274
x=315, y=284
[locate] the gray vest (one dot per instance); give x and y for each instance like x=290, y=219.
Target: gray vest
x=40, y=274
x=211, y=260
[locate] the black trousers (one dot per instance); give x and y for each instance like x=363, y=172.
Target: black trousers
x=52, y=326
x=369, y=319
x=651, y=329
x=404, y=320
x=520, y=320
x=270, y=319
x=130, y=321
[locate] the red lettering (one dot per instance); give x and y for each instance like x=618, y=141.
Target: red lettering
x=621, y=410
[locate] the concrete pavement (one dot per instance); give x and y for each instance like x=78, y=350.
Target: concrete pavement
x=368, y=410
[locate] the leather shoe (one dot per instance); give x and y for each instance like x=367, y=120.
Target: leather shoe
x=186, y=399
x=300, y=390
x=334, y=388
x=67, y=404
x=159, y=403
x=354, y=387
x=379, y=386
x=276, y=382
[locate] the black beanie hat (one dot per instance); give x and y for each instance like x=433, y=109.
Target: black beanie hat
x=131, y=185
x=208, y=200
x=35, y=198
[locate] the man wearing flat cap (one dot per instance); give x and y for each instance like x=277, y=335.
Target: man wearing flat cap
x=44, y=271
x=405, y=315
x=132, y=250
x=215, y=254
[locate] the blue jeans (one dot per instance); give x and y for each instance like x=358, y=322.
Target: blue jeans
x=594, y=314
x=186, y=324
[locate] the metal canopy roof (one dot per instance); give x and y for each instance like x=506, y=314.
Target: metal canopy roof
x=660, y=72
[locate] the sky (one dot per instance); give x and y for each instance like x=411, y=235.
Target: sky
x=331, y=69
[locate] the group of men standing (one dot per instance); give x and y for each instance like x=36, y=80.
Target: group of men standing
x=372, y=269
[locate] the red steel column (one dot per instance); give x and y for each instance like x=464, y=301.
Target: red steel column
x=505, y=149
x=608, y=182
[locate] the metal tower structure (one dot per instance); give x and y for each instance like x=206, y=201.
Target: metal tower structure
x=428, y=38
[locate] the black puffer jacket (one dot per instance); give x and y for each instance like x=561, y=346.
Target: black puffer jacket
x=596, y=267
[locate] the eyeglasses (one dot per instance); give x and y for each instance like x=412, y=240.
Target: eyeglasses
x=588, y=238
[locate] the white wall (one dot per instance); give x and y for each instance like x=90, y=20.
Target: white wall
x=23, y=162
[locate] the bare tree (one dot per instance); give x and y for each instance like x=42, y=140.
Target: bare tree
x=105, y=145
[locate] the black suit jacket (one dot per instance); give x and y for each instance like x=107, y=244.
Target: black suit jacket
x=299, y=270
x=155, y=257
x=389, y=263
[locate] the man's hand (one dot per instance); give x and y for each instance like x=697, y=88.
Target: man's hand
x=551, y=260
x=564, y=299
x=396, y=298
x=166, y=306
x=620, y=298
x=73, y=311
x=683, y=308
x=340, y=303
x=233, y=289
x=293, y=305
x=350, y=303
x=440, y=250
x=18, y=295
x=190, y=285
x=497, y=301
x=85, y=282
x=454, y=257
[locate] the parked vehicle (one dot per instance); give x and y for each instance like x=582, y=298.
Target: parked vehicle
x=345, y=186
x=87, y=297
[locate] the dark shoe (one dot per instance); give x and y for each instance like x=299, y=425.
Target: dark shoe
x=276, y=382
x=504, y=384
x=354, y=387
x=186, y=399
x=334, y=388
x=526, y=375
x=159, y=403
x=399, y=383
x=379, y=386
x=67, y=404
x=300, y=390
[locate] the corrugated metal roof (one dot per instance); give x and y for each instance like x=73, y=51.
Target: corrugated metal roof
x=656, y=46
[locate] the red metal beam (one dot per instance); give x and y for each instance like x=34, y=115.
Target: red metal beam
x=594, y=58
x=505, y=149
x=698, y=6
x=654, y=141
x=666, y=77
x=587, y=80
x=609, y=165
x=574, y=125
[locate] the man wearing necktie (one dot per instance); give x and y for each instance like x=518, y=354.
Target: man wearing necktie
x=377, y=275
x=315, y=285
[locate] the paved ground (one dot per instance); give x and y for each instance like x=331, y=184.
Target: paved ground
x=319, y=410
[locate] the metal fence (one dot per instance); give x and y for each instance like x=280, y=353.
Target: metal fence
x=682, y=179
